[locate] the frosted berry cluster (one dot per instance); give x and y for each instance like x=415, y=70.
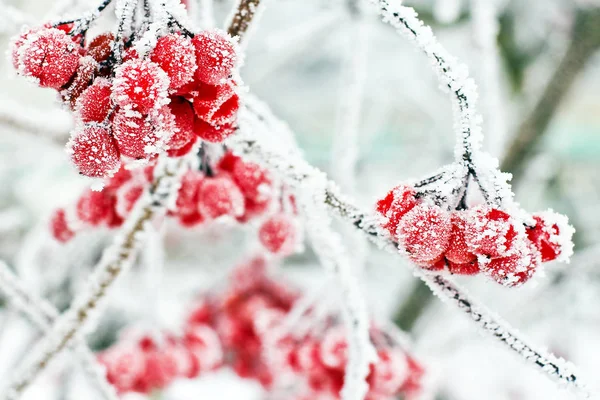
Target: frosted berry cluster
x=506, y=246
x=147, y=362
x=234, y=189
x=129, y=107
x=238, y=328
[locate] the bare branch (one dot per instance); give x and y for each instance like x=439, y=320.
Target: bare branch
x=242, y=17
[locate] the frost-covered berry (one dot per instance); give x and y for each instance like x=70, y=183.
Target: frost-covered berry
x=187, y=199
x=60, y=227
x=515, y=269
x=389, y=372
x=439, y=264
x=278, y=234
x=458, y=251
x=49, y=56
x=490, y=232
x=135, y=134
x=81, y=81
x=213, y=134
x=424, y=232
x=94, y=151
x=253, y=180
x=333, y=349
x=220, y=196
x=127, y=196
x=94, y=207
x=100, y=48
x=217, y=104
x=468, y=268
x=176, y=55
x=17, y=43
x=552, y=236
x=395, y=204
x=183, y=136
x=140, y=85
x=215, y=56
x=94, y=103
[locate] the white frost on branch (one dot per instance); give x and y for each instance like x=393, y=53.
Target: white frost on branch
x=43, y=314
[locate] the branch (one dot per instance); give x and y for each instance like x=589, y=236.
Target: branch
x=243, y=14
x=288, y=164
x=43, y=314
x=585, y=41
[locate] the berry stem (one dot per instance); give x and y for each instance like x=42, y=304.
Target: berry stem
x=242, y=17
x=43, y=314
x=294, y=171
x=82, y=24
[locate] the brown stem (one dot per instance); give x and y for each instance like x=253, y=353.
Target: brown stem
x=585, y=41
x=242, y=17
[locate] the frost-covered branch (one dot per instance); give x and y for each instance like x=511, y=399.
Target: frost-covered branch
x=43, y=314
x=287, y=163
x=243, y=14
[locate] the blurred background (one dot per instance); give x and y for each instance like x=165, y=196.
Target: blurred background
x=537, y=66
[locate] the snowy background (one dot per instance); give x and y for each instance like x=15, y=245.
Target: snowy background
x=295, y=61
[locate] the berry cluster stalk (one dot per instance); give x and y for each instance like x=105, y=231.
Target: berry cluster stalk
x=43, y=314
x=294, y=171
x=241, y=18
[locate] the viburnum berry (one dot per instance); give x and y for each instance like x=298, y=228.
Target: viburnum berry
x=127, y=196
x=187, y=199
x=424, y=232
x=435, y=265
x=48, y=55
x=468, y=268
x=204, y=346
x=94, y=151
x=551, y=235
x=220, y=196
x=100, y=48
x=183, y=136
x=515, y=269
x=210, y=133
x=176, y=55
x=81, y=81
x=458, y=252
x=333, y=349
x=395, y=204
x=59, y=226
x=215, y=56
x=253, y=180
x=135, y=134
x=227, y=162
x=140, y=85
x=388, y=372
x=278, y=234
x=94, y=103
x=94, y=207
x=490, y=232
x=124, y=364
x=217, y=104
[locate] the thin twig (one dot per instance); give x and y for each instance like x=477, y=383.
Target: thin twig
x=242, y=16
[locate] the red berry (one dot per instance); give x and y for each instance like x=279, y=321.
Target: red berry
x=127, y=196
x=253, y=180
x=82, y=80
x=395, y=204
x=227, y=162
x=551, y=235
x=389, y=372
x=183, y=136
x=135, y=134
x=333, y=349
x=176, y=55
x=490, y=232
x=215, y=56
x=94, y=103
x=187, y=199
x=435, y=265
x=278, y=234
x=424, y=232
x=468, y=268
x=49, y=56
x=16, y=45
x=140, y=85
x=458, y=251
x=220, y=196
x=94, y=207
x=100, y=48
x=210, y=133
x=94, y=151
x=121, y=177
x=60, y=227
x=217, y=104
x=515, y=269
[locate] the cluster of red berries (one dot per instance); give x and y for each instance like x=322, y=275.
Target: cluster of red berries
x=145, y=363
x=233, y=188
x=479, y=239
x=131, y=106
x=237, y=328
